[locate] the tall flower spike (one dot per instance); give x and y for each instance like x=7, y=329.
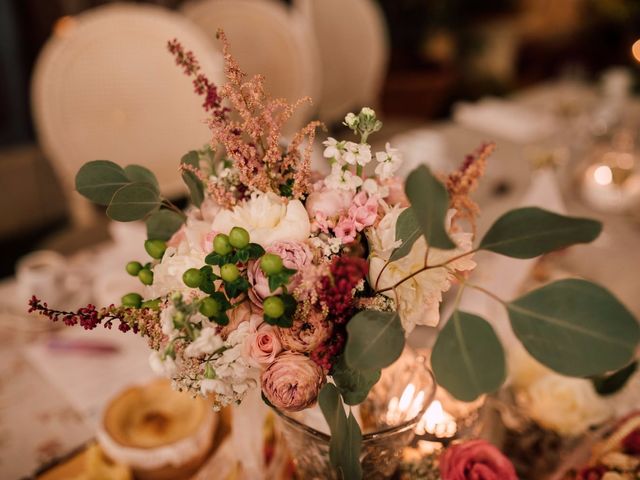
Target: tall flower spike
x=462, y=182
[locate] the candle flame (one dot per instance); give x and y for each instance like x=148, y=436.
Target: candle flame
x=603, y=175
x=437, y=422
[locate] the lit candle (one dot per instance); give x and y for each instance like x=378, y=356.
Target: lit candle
x=437, y=421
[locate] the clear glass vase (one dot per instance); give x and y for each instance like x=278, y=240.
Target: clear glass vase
x=389, y=417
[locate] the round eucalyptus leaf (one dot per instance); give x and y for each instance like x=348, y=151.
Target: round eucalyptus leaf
x=575, y=327
x=375, y=340
x=138, y=173
x=99, y=180
x=162, y=224
x=133, y=202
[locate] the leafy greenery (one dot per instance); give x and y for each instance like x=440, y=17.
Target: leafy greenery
x=467, y=358
x=354, y=385
x=611, y=383
x=237, y=287
x=99, y=180
x=407, y=231
x=429, y=202
x=346, y=437
x=375, y=340
x=162, y=224
x=575, y=327
x=208, y=278
x=133, y=202
x=529, y=232
x=196, y=189
x=281, y=278
x=138, y=173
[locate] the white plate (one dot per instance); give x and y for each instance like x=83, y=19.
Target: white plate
x=268, y=39
x=105, y=87
x=352, y=38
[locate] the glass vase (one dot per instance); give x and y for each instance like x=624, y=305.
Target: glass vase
x=389, y=416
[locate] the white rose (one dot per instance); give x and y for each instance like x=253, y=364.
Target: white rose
x=419, y=297
x=268, y=218
x=207, y=342
x=167, y=275
x=566, y=405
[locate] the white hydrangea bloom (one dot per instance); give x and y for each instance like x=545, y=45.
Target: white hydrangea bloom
x=389, y=162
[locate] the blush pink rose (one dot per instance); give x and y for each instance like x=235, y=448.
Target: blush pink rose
x=261, y=347
x=328, y=202
x=363, y=211
x=295, y=255
x=305, y=335
x=292, y=382
x=475, y=460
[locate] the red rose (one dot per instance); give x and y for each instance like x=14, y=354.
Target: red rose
x=631, y=442
x=475, y=460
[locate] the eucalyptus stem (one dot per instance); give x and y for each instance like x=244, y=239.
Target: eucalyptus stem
x=464, y=282
x=420, y=270
x=167, y=203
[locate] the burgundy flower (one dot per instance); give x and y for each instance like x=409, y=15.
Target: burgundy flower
x=592, y=473
x=327, y=353
x=631, y=443
x=475, y=460
x=336, y=289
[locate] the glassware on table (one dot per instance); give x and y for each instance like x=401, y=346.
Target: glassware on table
x=390, y=415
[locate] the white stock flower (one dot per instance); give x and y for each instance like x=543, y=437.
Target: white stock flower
x=351, y=120
x=165, y=367
x=356, y=153
x=207, y=342
x=340, y=178
x=566, y=405
x=332, y=149
x=374, y=188
x=389, y=162
x=268, y=218
x=419, y=297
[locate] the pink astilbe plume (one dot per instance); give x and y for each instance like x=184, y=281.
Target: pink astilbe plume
x=253, y=137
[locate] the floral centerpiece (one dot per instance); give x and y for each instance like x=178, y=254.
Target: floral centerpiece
x=306, y=286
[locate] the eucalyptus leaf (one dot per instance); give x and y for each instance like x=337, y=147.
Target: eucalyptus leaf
x=354, y=385
x=531, y=231
x=407, y=231
x=467, y=358
x=375, y=340
x=133, y=202
x=614, y=382
x=429, y=202
x=575, y=327
x=99, y=180
x=162, y=224
x=346, y=438
x=196, y=189
x=138, y=173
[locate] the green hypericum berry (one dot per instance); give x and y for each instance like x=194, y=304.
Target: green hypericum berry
x=238, y=237
x=146, y=276
x=152, y=304
x=209, y=307
x=155, y=248
x=270, y=263
x=209, y=372
x=132, y=300
x=221, y=244
x=273, y=306
x=192, y=278
x=229, y=272
x=133, y=268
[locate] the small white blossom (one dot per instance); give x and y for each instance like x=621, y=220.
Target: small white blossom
x=351, y=120
x=374, y=188
x=162, y=366
x=388, y=162
x=356, y=153
x=332, y=149
x=340, y=178
x=166, y=322
x=207, y=342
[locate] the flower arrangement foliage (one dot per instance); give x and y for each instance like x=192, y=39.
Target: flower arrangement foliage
x=280, y=279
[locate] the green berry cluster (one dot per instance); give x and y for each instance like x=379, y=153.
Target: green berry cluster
x=278, y=309
x=155, y=248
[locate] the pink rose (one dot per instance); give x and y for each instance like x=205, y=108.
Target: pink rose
x=364, y=210
x=261, y=347
x=237, y=315
x=475, y=460
x=295, y=255
x=305, y=335
x=292, y=382
x=328, y=202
